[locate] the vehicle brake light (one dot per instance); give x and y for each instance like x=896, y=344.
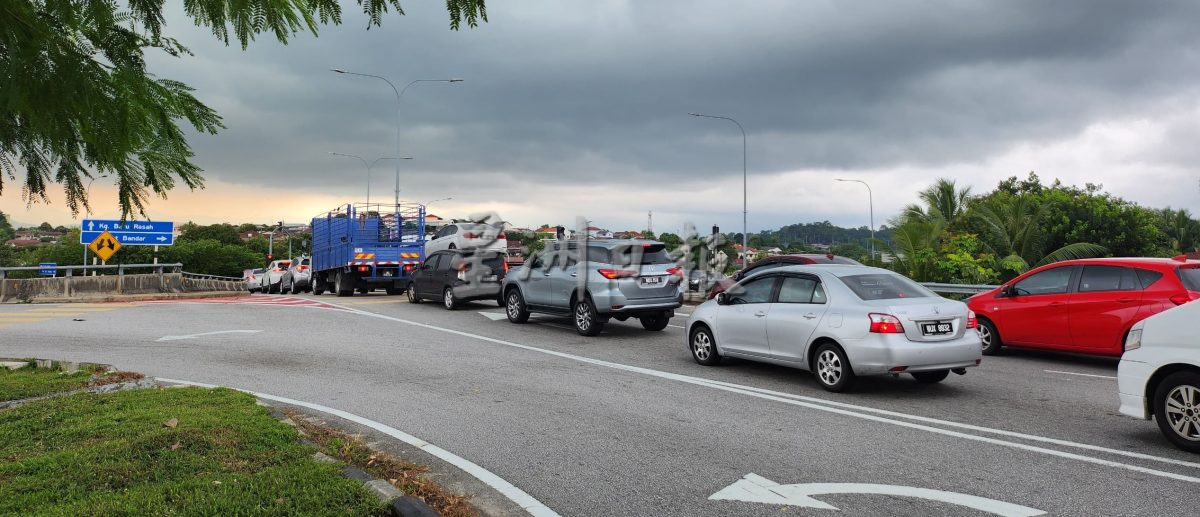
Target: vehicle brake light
x=278, y=269
x=364, y=269
x=408, y=267
x=302, y=268
x=470, y=235
x=613, y=274
x=972, y=322
x=674, y=271
x=885, y=324
x=1188, y=296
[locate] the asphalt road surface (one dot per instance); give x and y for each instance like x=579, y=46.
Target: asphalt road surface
x=627, y=424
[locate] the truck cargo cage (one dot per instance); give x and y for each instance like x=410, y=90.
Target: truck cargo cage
x=369, y=232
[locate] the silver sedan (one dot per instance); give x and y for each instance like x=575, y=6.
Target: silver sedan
x=838, y=321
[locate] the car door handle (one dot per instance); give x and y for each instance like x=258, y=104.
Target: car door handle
x=574, y=274
x=1057, y=304
x=810, y=316
x=760, y=314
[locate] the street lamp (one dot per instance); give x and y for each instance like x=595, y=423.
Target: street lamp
x=745, y=234
x=369, y=165
x=88, y=212
x=436, y=200
x=871, y=203
x=399, y=93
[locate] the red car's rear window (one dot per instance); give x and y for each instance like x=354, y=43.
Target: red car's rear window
x=1190, y=275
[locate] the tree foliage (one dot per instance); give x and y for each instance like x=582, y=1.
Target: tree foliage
x=78, y=101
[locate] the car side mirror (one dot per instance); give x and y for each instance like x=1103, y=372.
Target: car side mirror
x=722, y=298
x=1008, y=290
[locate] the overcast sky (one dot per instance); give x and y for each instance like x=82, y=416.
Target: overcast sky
x=580, y=108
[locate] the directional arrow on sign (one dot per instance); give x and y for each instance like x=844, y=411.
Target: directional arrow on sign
x=194, y=336
x=757, y=489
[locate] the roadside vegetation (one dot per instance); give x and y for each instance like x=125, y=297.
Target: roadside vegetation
x=29, y=382
x=176, y=451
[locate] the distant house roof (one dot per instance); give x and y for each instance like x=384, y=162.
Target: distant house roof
x=21, y=243
x=248, y=235
x=594, y=229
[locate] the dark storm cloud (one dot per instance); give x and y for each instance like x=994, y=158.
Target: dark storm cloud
x=599, y=91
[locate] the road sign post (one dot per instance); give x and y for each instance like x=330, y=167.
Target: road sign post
x=129, y=233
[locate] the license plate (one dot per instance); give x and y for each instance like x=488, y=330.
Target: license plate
x=936, y=329
x=491, y=278
x=651, y=280
x=387, y=272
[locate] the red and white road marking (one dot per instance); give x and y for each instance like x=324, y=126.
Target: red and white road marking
x=265, y=299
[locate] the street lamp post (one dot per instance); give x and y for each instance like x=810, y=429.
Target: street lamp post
x=369, y=165
x=745, y=234
x=399, y=93
x=87, y=213
x=436, y=200
x=871, y=203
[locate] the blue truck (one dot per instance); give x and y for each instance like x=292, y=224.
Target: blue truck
x=359, y=248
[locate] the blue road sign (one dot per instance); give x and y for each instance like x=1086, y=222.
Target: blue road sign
x=130, y=233
x=48, y=268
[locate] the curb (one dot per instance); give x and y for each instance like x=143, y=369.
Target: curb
x=399, y=504
x=143, y=297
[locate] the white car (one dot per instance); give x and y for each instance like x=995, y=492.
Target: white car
x=1159, y=374
x=838, y=321
x=468, y=236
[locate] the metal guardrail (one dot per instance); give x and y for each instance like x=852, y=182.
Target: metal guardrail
x=958, y=288
x=200, y=276
x=120, y=268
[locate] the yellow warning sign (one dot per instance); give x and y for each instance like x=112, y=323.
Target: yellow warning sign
x=104, y=246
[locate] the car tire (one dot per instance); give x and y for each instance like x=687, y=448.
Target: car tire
x=933, y=377
x=448, y=299
x=1179, y=424
x=393, y=291
x=832, y=368
x=318, y=287
x=514, y=306
x=704, y=346
x=413, y=297
x=587, y=322
x=989, y=337
x=655, y=323
x=364, y=290
x=342, y=285
x=284, y=289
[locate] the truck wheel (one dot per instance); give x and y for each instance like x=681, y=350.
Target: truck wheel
x=364, y=290
x=343, y=286
x=318, y=287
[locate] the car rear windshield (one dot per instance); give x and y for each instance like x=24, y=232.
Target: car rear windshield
x=883, y=286
x=637, y=254
x=1190, y=277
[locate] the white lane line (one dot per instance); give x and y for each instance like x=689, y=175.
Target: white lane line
x=857, y=412
x=677, y=326
x=684, y=314
x=514, y=494
x=1081, y=374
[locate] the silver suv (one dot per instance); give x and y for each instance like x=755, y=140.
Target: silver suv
x=594, y=281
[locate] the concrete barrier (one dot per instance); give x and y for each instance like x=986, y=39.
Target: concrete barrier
x=109, y=288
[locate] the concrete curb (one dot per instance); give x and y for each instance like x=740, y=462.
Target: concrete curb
x=399, y=504
x=144, y=297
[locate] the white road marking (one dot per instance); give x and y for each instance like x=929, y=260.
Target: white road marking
x=857, y=412
x=1081, y=374
x=684, y=314
x=757, y=489
x=677, y=326
x=194, y=336
x=514, y=494
x=494, y=316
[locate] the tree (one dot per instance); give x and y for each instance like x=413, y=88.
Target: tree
x=45, y=227
x=1015, y=230
x=78, y=99
x=6, y=229
x=943, y=200
x=222, y=233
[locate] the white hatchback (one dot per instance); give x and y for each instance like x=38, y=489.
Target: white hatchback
x=468, y=236
x=1159, y=374
x=838, y=321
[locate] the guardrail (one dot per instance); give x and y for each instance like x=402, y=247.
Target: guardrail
x=958, y=288
x=200, y=276
x=120, y=268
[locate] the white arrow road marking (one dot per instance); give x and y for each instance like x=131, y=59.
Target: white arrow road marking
x=494, y=316
x=757, y=489
x=194, y=336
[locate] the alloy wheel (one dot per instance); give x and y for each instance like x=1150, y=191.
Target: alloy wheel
x=514, y=305
x=702, y=346
x=583, y=316
x=985, y=336
x=448, y=298
x=829, y=367
x=1183, y=412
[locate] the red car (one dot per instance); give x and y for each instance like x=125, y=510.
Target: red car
x=776, y=261
x=1083, y=306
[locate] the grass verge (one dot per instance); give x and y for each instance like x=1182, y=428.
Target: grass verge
x=29, y=381
x=406, y=476
x=177, y=451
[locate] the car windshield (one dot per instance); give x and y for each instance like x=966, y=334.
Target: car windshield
x=884, y=286
x=1190, y=277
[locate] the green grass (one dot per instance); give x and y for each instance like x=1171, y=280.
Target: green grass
x=34, y=382
x=111, y=454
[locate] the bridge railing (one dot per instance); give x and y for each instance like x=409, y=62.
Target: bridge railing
x=199, y=276
x=121, y=269
x=958, y=288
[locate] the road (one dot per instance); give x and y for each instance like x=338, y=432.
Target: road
x=627, y=424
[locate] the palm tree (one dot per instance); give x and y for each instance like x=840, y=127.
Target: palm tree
x=942, y=201
x=915, y=246
x=1014, y=233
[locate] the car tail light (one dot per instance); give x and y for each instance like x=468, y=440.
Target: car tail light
x=885, y=324
x=408, y=267
x=470, y=235
x=674, y=271
x=613, y=274
x=278, y=270
x=897, y=369
x=1133, y=341
x=1188, y=296
x=302, y=268
x=972, y=321
x=505, y=264
x=364, y=269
